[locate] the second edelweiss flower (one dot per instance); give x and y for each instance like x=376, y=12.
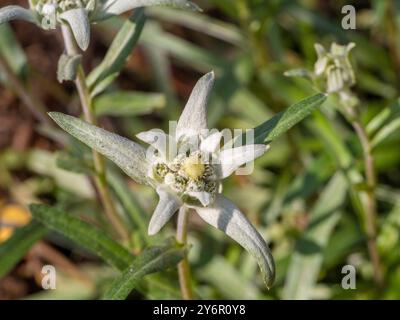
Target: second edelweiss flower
x=191, y=176
x=78, y=14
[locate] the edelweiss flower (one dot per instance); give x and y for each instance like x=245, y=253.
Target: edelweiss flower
x=335, y=66
x=78, y=14
x=189, y=177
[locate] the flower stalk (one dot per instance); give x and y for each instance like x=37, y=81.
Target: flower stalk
x=370, y=204
x=183, y=266
x=335, y=70
x=98, y=160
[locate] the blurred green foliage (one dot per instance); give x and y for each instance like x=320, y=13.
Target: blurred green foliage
x=301, y=196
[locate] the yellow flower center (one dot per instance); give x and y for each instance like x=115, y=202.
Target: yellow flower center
x=193, y=167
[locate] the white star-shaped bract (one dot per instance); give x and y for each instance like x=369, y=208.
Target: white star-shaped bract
x=189, y=177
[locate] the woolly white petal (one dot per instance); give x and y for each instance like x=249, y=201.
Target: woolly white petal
x=224, y=215
x=166, y=208
x=156, y=138
x=78, y=21
x=211, y=143
x=116, y=7
x=204, y=197
x=232, y=158
x=194, y=116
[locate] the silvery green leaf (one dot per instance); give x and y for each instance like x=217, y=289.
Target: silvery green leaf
x=224, y=215
x=128, y=155
x=194, y=117
x=68, y=67
x=116, y=7
x=16, y=13
x=166, y=208
x=283, y=121
x=78, y=21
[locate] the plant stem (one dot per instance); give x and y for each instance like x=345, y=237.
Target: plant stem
x=183, y=266
x=34, y=106
x=98, y=160
x=370, y=206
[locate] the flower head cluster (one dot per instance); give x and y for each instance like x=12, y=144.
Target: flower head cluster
x=44, y=7
x=188, y=177
x=334, y=67
x=78, y=14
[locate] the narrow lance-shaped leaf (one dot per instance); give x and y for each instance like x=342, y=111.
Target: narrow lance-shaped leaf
x=386, y=131
x=283, y=121
x=83, y=234
x=119, y=51
x=128, y=155
x=151, y=260
x=128, y=103
x=18, y=245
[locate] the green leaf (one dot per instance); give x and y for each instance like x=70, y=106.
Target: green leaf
x=387, y=115
x=18, y=245
x=128, y=155
x=386, y=132
x=68, y=67
x=307, y=259
x=119, y=51
x=222, y=275
x=200, y=23
x=195, y=56
x=84, y=235
x=283, y=121
x=151, y=260
x=128, y=103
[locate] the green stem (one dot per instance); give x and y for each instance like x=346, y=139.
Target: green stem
x=183, y=266
x=98, y=160
x=370, y=203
